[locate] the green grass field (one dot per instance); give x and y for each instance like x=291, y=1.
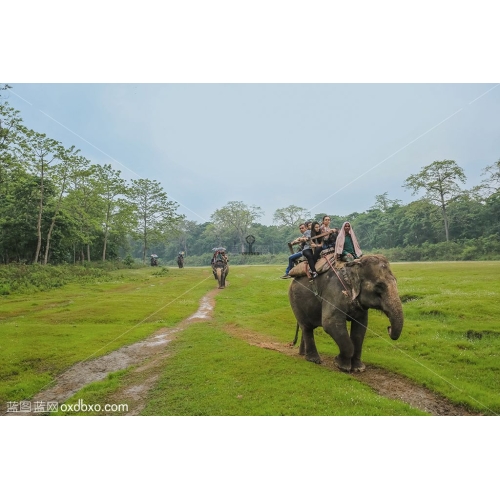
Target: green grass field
x=450, y=342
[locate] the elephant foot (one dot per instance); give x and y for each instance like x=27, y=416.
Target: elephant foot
x=313, y=358
x=344, y=366
x=357, y=366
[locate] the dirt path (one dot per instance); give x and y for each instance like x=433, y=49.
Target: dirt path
x=149, y=355
x=387, y=384
x=152, y=349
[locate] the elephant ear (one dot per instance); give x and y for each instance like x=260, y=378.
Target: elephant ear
x=354, y=275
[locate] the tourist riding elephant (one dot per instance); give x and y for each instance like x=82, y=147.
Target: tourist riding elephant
x=346, y=294
x=220, y=270
x=180, y=261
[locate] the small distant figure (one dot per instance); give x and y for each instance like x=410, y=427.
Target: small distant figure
x=154, y=259
x=180, y=260
x=347, y=247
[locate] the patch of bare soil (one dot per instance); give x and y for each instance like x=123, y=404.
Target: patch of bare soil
x=148, y=354
x=387, y=384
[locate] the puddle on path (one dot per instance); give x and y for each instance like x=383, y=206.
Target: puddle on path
x=86, y=372
x=205, y=310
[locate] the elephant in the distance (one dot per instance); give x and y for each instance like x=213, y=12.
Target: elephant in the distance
x=220, y=266
x=220, y=270
x=180, y=260
x=341, y=295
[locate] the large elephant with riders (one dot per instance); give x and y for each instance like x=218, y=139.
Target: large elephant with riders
x=344, y=294
x=220, y=266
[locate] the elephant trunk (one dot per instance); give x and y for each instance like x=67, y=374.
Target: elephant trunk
x=394, y=311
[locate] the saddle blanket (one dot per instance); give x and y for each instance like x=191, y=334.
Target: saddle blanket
x=322, y=265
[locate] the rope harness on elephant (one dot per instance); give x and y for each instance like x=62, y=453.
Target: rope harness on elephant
x=345, y=291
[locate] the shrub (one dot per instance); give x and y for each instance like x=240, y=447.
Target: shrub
x=128, y=260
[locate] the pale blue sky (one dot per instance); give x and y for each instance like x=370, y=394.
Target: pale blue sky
x=326, y=147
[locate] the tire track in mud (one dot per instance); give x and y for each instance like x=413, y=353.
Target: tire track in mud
x=387, y=384
x=152, y=348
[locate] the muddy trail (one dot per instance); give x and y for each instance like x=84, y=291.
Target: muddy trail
x=149, y=355
x=385, y=383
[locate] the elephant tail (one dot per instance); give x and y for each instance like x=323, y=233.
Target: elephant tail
x=296, y=335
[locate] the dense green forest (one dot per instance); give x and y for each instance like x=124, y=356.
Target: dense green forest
x=57, y=207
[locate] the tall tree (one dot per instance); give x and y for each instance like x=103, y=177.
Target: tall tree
x=9, y=121
x=290, y=216
x=440, y=182
x=156, y=216
x=112, y=189
x=85, y=207
x=492, y=182
x=63, y=171
x=239, y=217
x=384, y=204
x=39, y=152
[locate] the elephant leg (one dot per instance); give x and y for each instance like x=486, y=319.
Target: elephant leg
x=338, y=331
x=358, y=330
x=308, y=345
x=302, y=346
x=219, y=277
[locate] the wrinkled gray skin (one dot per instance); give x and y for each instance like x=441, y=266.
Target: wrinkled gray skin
x=220, y=271
x=372, y=285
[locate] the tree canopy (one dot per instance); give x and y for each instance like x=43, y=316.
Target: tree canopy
x=56, y=206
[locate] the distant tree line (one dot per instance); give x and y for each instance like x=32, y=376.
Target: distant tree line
x=56, y=206
x=446, y=222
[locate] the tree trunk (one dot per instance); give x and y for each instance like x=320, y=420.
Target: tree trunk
x=39, y=222
x=105, y=236
x=49, y=235
x=445, y=218
x=105, y=243
x=144, y=243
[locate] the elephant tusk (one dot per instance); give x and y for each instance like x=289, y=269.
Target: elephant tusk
x=389, y=330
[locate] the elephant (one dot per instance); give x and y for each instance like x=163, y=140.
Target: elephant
x=180, y=261
x=341, y=295
x=220, y=270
